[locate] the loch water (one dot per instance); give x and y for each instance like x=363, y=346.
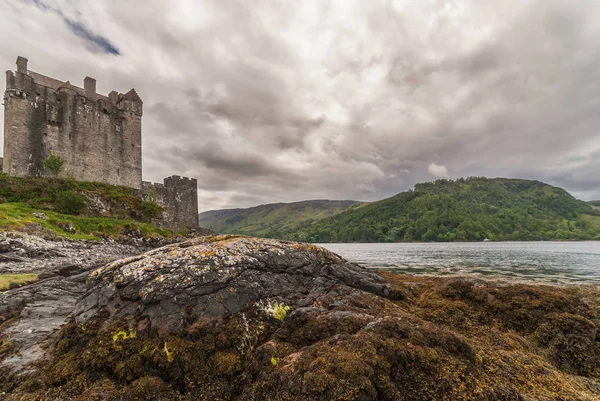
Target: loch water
x=547, y=261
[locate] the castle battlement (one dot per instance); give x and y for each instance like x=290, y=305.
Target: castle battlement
x=99, y=137
x=30, y=84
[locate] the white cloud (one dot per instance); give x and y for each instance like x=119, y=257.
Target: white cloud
x=438, y=171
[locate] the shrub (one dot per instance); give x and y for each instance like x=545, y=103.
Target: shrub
x=70, y=202
x=149, y=209
x=54, y=164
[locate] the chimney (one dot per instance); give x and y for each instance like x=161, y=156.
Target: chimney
x=10, y=79
x=89, y=84
x=22, y=65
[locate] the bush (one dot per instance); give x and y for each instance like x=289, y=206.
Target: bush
x=150, y=209
x=54, y=164
x=70, y=202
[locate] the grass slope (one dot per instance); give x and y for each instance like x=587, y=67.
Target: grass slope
x=95, y=210
x=464, y=210
x=269, y=220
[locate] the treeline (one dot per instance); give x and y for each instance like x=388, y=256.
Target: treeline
x=470, y=209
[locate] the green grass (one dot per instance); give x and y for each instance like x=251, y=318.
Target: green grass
x=67, y=196
x=95, y=210
x=17, y=216
x=6, y=280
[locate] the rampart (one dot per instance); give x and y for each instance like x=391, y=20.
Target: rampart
x=178, y=196
x=98, y=137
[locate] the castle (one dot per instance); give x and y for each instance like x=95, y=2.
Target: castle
x=98, y=137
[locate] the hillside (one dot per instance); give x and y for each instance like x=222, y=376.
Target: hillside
x=76, y=209
x=595, y=204
x=271, y=219
x=464, y=210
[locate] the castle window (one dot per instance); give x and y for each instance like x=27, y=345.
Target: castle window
x=118, y=128
x=118, y=172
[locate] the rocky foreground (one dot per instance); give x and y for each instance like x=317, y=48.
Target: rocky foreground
x=240, y=318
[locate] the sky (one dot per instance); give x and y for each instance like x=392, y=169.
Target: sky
x=279, y=101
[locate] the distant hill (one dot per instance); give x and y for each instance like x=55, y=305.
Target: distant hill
x=595, y=204
x=463, y=210
x=271, y=219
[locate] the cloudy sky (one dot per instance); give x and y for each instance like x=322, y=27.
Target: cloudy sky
x=271, y=101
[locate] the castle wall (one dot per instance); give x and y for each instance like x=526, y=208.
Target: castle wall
x=98, y=137
x=178, y=196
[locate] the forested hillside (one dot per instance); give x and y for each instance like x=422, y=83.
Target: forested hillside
x=269, y=220
x=469, y=209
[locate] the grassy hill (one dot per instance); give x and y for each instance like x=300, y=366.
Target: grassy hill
x=74, y=209
x=464, y=210
x=271, y=219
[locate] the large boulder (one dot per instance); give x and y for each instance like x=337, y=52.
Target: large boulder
x=183, y=287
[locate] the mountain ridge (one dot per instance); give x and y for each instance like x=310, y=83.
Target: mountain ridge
x=466, y=209
x=263, y=219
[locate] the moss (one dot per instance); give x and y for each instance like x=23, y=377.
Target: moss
x=227, y=363
x=6, y=347
x=276, y=310
x=8, y=281
x=123, y=335
x=169, y=353
x=447, y=339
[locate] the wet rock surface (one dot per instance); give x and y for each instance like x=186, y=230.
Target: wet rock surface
x=238, y=318
x=30, y=316
x=26, y=253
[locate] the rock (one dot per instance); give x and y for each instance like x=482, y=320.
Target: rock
x=26, y=253
x=36, y=311
x=208, y=279
x=42, y=308
x=39, y=215
x=67, y=227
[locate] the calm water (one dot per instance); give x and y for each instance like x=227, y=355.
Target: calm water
x=559, y=262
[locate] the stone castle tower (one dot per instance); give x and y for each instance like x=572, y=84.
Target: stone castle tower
x=98, y=137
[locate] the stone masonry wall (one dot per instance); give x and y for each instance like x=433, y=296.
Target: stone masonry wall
x=178, y=196
x=99, y=137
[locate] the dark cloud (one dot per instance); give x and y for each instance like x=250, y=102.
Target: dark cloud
x=96, y=41
x=280, y=101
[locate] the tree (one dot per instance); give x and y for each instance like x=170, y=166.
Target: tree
x=54, y=164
